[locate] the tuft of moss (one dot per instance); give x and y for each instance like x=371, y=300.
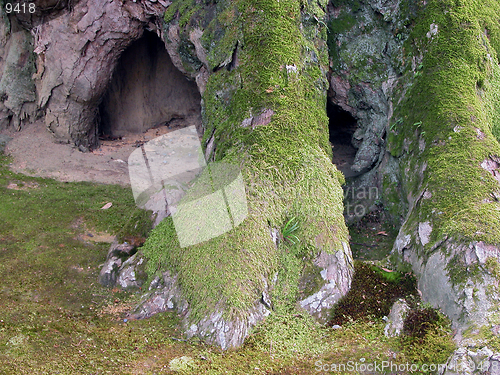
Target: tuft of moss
x=427, y=336
x=372, y=294
x=493, y=267
x=288, y=336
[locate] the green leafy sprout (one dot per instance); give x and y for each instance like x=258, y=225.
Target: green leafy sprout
x=288, y=231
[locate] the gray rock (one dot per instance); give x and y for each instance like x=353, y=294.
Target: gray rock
x=129, y=273
x=468, y=301
x=465, y=361
x=4, y=139
x=17, y=66
x=459, y=363
x=366, y=69
x=336, y=272
x=109, y=271
x=396, y=318
x=165, y=294
x=119, y=266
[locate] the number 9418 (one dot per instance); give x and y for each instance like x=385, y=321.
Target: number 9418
x=20, y=8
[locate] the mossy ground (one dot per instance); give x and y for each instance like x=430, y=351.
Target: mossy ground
x=373, y=292
x=56, y=318
x=372, y=237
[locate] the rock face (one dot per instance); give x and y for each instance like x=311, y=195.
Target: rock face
x=17, y=89
x=435, y=169
x=91, y=36
x=123, y=267
x=366, y=63
x=396, y=318
x=335, y=271
x=3, y=142
x=146, y=90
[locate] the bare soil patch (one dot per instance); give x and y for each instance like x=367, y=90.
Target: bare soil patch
x=35, y=153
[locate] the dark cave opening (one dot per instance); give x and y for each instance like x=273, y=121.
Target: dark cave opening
x=341, y=126
x=147, y=91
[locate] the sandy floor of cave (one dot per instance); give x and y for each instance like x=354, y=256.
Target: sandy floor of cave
x=35, y=153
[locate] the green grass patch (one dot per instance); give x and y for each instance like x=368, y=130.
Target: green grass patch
x=56, y=318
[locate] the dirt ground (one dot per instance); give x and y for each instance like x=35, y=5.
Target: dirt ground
x=35, y=153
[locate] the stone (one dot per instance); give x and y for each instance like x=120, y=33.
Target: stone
x=471, y=360
x=118, y=266
x=366, y=66
x=396, y=318
x=164, y=294
x=17, y=65
x=4, y=139
x=129, y=273
x=109, y=272
x=424, y=232
x=336, y=274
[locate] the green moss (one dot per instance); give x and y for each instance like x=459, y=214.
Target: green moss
x=355, y=5
x=444, y=100
x=287, y=336
x=221, y=35
x=187, y=52
x=310, y=281
x=55, y=318
x=336, y=26
x=187, y=15
x=435, y=347
x=493, y=267
x=373, y=292
x=486, y=337
x=344, y=22
x=427, y=336
x=181, y=9
x=285, y=164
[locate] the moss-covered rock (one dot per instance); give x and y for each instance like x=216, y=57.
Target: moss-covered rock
x=447, y=153
x=263, y=110
x=366, y=45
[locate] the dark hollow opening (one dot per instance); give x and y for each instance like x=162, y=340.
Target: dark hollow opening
x=147, y=91
x=342, y=126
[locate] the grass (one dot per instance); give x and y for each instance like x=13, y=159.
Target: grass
x=289, y=229
x=56, y=319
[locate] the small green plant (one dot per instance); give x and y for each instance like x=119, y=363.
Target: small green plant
x=396, y=123
x=290, y=227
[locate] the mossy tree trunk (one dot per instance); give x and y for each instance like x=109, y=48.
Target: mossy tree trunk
x=443, y=138
x=263, y=110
